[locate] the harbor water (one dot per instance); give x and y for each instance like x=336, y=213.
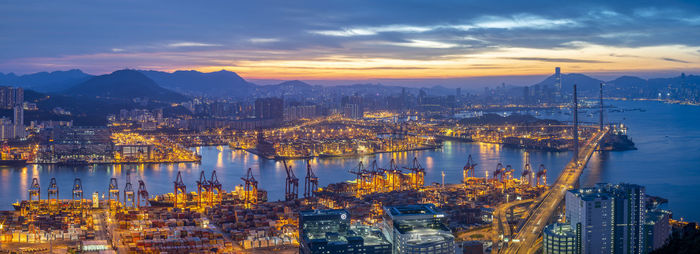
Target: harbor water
x=667, y=160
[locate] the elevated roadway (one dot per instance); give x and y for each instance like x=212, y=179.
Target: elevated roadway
x=527, y=239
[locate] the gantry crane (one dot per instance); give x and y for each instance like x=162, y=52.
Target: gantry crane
x=394, y=176
x=359, y=179
x=417, y=174
x=541, y=174
x=53, y=195
x=142, y=195
x=215, y=195
x=203, y=185
x=180, y=192
x=310, y=181
x=469, y=169
x=526, y=176
x=291, y=184
x=129, y=195
x=377, y=179
x=507, y=176
x=250, y=189
x=497, y=173
x=78, y=201
x=34, y=195
x=113, y=194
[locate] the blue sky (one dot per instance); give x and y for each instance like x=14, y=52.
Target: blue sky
x=353, y=40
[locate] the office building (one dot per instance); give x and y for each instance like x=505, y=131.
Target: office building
x=560, y=238
x=417, y=229
x=330, y=231
x=608, y=218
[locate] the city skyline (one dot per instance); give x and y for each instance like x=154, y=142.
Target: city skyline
x=331, y=41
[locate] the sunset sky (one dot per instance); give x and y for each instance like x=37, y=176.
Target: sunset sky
x=352, y=40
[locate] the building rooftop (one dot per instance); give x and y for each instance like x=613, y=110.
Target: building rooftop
x=413, y=211
x=560, y=229
x=603, y=191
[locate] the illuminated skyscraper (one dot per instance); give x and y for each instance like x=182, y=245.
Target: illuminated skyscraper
x=557, y=83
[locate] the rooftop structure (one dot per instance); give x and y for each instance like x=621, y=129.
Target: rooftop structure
x=329, y=231
x=417, y=229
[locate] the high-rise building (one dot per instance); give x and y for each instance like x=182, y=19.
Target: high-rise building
x=330, y=231
x=19, y=121
x=560, y=238
x=269, y=108
x=657, y=229
x=11, y=96
x=352, y=111
x=608, y=218
x=417, y=229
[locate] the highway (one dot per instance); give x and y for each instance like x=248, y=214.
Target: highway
x=500, y=220
x=527, y=239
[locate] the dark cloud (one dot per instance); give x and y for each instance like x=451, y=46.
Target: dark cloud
x=674, y=60
x=556, y=60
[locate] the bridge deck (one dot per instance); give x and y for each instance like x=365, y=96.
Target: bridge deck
x=526, y=240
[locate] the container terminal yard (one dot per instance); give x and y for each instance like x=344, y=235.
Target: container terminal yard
x=210, y=218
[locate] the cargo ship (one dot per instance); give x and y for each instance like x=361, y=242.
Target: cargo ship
x=18, y=162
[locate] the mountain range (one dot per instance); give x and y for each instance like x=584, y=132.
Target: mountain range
x=124, y=85
x=167, y=86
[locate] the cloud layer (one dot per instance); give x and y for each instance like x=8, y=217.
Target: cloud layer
x=351, y=39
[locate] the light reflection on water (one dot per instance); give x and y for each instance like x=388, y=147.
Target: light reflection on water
x=270, y=174
x=666, y=163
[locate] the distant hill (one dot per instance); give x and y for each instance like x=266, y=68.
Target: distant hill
x=291, y=88
x=126, y=85
x=45, y=81
x=216, y=84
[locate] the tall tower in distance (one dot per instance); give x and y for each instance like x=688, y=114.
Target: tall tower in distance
x=557, y=83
